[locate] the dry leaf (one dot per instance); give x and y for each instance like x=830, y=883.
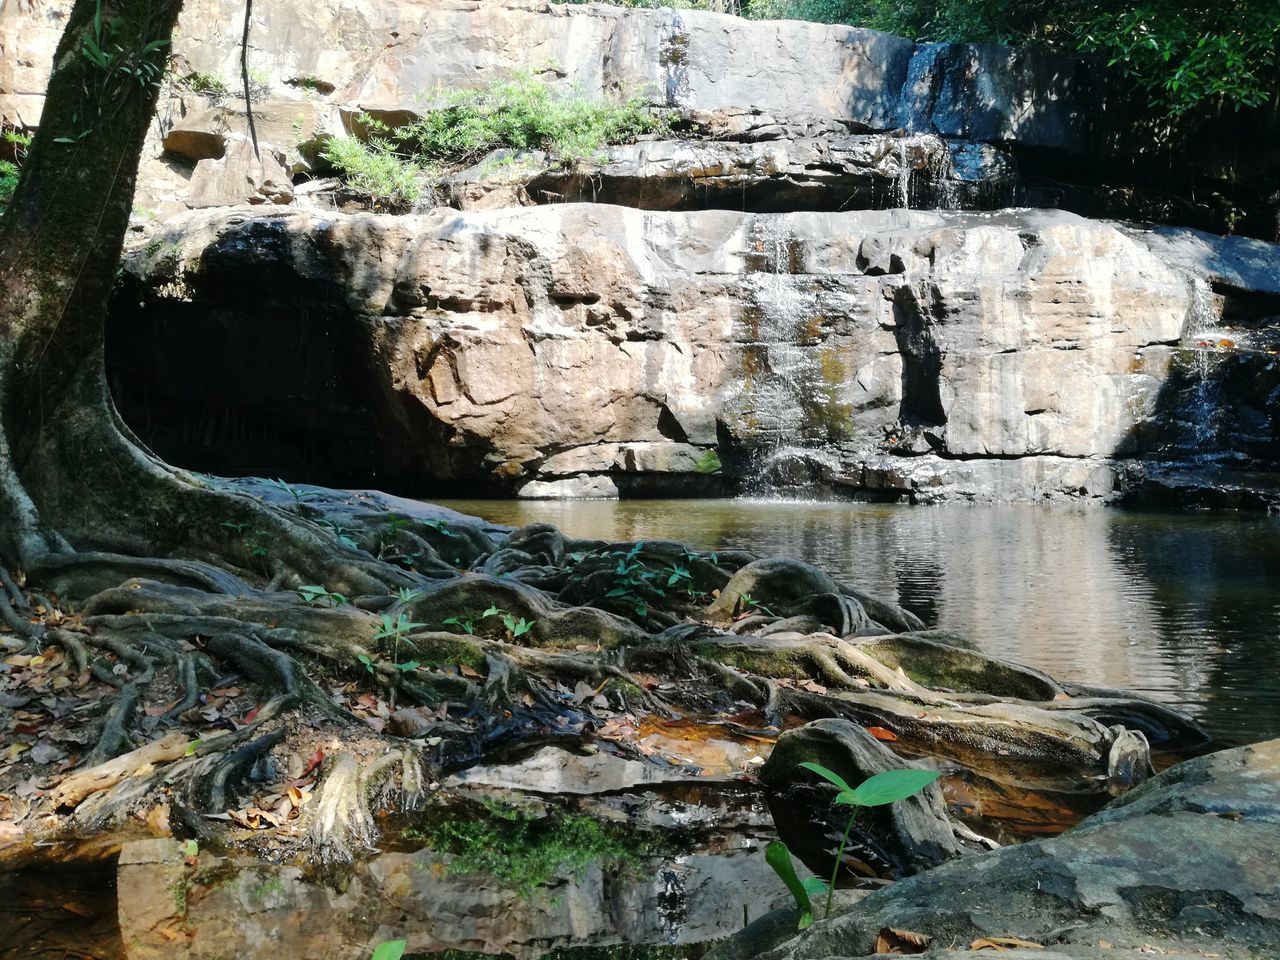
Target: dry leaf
x=893, y=940
x=880, y=733
x=1000, y=943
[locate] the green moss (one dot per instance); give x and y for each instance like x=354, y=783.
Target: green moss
x=709, y=462
x=447, y=651
x=787, y=664
x=526, y=852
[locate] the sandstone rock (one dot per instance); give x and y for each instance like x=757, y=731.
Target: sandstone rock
x=578, y=349
x=238, y=176
x=1183, y=865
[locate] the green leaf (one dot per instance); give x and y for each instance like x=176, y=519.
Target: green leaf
x=892, y=785
x=778, y=856
x=192, y=747
x=406, y=667
x=389, y=950
x=190, y=848
x=829, y=775
x=815, y=886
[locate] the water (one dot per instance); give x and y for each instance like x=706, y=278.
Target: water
x=1184, y=608
x=1204, y=401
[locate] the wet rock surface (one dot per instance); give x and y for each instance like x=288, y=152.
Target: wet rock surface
x=1182, y=866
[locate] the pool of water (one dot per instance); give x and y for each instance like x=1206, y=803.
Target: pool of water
x=1181, y=607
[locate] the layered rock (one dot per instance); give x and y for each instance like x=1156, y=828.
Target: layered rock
x=319, y=65
x=596, y=349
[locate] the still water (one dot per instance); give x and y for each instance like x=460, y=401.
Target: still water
x=1181, y=607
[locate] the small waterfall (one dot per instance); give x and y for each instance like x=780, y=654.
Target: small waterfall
x=928, y=154
x=782, y=383
x=1204, y=406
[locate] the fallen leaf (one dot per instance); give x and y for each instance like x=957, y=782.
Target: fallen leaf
x=893, y=940
x=316, y=759
x=880, y=733
x=468, y=672
x=1000, y=943
x=160, y=709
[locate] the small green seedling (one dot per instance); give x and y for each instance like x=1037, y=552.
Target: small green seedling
x=884, y=788
x=316, y=595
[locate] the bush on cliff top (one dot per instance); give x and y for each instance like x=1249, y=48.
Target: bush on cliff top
x=523, y=113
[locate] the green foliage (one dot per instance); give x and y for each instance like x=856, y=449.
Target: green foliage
x=9, y=168
x=709, y=462
x=526, y=852
x=1183, y=54
x=515, y=627
x=318, y=596
x=778, y=856
x=883, y=788
x=398, y=166
x=389, y=950
x=527, y=114
x=377, y=168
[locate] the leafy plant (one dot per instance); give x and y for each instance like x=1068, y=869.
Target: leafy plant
x=253, y=543
x=778, y=856
x=396, y=631
x=9, y=169
x=751, y=603
x=315, y=596
x=375, y=167
x=389, y=950
x=400, y=166
x=300, y=497
x=883, y=788
x=515, y=626
x=526, y=852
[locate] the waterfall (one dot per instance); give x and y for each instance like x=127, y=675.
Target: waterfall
x=931, y=154
x=1204, y=408
x=782, y=384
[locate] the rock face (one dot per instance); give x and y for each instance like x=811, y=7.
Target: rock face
x=747, y=300
x=579, y=348
x=317, y=65
x=1185, y=864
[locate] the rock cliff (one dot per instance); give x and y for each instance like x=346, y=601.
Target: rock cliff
x=749, y=299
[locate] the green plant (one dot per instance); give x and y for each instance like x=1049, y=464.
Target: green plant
x=515, y=626
x=525, y=113
x=751, y=603
x=315, y=596
x=526, y=852
x=9, y=169
x=709, y=462
x=253, y=543
x=389, y=950
x=375, y=168
x=883, y=788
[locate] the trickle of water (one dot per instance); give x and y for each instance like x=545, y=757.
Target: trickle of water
x=781, y=374
x=1197, y=338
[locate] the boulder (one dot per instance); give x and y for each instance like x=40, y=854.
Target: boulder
x=240, y=175
x=1182, y=866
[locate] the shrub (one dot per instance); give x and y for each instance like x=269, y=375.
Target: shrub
x=9, y=168
x=375, y=168
x=527, y=114
x=522, y=113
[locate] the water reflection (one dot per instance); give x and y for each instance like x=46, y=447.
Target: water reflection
x=1184, y=608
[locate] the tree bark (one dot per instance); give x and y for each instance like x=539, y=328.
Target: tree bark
x=60, y=243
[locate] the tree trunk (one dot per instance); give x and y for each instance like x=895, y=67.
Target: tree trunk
x=60, y=243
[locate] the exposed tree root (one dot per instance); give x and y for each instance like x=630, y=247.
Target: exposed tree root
x=492, y=659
